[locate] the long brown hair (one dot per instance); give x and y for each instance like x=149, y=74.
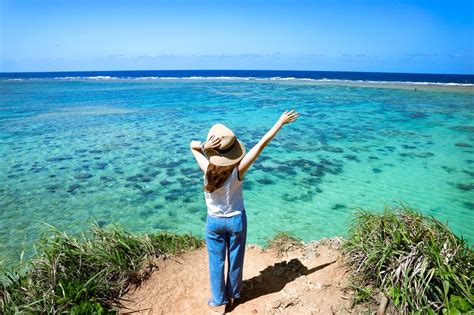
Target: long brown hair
x=216, y=176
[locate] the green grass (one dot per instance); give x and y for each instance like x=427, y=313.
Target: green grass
x=362, y=294
x=86, y=274
x=415, y=260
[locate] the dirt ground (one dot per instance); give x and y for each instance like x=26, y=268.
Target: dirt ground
x=308, y=279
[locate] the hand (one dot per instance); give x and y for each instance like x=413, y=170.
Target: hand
x=288, y=116
x=212, y=143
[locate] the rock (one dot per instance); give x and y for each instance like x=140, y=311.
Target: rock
x=73, y=188
x=469, y=205
x=282, y=304
x=424, y=154
x=336, y=242
x=465, y=187
x=54, y=188
x=323, y=241
x=463, y=128
x=106, y=179
x=463, y=145
x=171, y=197
x=145, y=213
x=338, y=206
x=382, y=306
x=265, y=181
x=165, y=182
x=470, y=173
x=351, y=157
x=82, y=176
x=59, y=158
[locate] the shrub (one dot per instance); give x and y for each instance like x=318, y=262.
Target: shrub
x=86, y=274
x=283, y=242
x=414, y=259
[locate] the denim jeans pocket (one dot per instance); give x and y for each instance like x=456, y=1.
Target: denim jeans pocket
x=236, y=225
x=213, y=224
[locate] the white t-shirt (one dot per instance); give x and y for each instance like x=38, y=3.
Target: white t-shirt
x=226, y=201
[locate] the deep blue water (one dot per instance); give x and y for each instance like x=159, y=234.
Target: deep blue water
x=315, y=75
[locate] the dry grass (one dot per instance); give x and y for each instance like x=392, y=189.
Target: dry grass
x=283, y=243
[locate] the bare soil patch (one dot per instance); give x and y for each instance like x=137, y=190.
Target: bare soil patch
x=307, y=279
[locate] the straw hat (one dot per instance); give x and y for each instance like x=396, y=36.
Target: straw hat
x=230, y=150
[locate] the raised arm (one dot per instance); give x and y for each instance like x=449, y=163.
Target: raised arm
x=195, y=147
x=252, y=155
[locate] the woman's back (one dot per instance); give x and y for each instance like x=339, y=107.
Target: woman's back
x=227, y=200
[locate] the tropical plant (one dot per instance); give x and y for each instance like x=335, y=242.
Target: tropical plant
x=86, y=274
x=417, y=261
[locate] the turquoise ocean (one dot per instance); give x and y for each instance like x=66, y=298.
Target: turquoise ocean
x=116, y=150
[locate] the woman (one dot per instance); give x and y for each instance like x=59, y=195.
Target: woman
x=223, y=160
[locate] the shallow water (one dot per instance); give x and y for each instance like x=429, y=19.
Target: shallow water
x=117, y=151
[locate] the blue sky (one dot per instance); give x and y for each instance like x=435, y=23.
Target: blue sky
x=389, y=36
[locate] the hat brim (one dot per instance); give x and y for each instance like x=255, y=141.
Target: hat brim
x=228, y=158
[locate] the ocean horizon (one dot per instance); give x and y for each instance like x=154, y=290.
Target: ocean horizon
x=112, y=146
x=389, y=77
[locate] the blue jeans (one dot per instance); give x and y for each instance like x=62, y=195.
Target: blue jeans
x=226, y=235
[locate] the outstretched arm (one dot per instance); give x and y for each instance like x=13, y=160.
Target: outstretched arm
x=252, y=155
x=195, y=147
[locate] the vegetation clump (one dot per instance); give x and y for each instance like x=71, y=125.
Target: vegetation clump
x=417, y=261
x=86, y=274
x=283, y=242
